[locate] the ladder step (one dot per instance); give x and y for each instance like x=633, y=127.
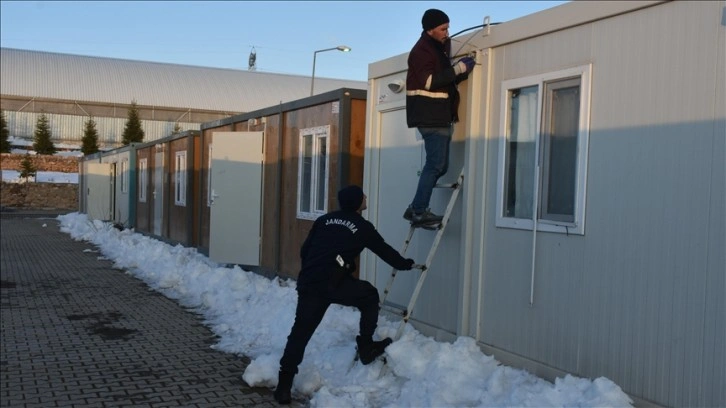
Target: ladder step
x=446, y=185
x=394, y=308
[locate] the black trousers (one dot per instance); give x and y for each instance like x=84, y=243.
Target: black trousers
x=311, y=307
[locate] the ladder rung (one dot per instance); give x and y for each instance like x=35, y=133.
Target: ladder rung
x=394, y=308
x=446, y=185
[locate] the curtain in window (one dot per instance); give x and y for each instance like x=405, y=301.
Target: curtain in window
x=521, y=152
x=562, y=153
x=307, y=173
x=321, y=174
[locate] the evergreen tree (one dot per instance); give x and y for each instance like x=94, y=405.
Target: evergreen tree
x=42, y=143
x=90, y=137
x=27, y=168
x=133, y=133
x=177, y=129
x=4, y=134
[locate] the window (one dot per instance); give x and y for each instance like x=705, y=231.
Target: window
x=313, y=173
x=209, y=177
x=180, y=179
x=543, y=157
x=143, y=177
x=125, y=175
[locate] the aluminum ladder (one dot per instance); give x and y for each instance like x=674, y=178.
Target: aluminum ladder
x=406, y=313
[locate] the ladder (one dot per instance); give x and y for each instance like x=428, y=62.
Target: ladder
x=406, y=313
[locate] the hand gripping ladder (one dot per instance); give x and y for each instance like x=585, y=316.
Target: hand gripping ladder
x=406, y=313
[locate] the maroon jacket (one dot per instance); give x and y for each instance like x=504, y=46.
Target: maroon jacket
x=432, y=99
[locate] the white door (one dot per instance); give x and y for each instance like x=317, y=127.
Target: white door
x=98, y=191
x=234, y=236
x=158, y=193
x=402, y=157
x=401, y=160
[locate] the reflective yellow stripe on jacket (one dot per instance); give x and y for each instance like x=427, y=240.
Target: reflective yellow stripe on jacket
x=429, y=94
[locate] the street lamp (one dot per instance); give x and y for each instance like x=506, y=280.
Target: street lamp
x=343, y=48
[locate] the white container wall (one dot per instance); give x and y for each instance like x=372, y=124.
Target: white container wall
x=632, y=286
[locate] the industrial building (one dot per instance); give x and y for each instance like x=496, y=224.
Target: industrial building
x=71, y=88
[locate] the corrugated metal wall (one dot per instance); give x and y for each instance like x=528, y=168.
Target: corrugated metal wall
x=640, y=297
x=69, y=128
x=61, y=84
x=110, y=80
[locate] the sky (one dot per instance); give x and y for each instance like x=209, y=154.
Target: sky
x=252, y=315
x=221, y=34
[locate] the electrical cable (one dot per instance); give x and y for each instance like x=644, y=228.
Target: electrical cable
x=470, y=37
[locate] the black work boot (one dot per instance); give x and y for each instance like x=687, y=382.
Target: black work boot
x=408, y=214
x=426, y=219
x=368, y=349
x=283, y=392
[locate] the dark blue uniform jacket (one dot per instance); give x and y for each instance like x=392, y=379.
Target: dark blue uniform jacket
x=344, y=233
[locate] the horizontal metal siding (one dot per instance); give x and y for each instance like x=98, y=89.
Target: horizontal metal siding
x=96, y=79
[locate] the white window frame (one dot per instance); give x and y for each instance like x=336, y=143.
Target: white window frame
x=578, y=224
x=125, y=175
x=209, y=177
x=143, y=177
x=180, y=178
x=319, y=135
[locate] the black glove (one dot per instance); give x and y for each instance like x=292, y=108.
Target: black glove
x=464, y=65
x=409, y=264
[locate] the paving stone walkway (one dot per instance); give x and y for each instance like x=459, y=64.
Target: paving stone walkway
x=77, y=332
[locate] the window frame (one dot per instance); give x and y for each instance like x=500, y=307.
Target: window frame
x=125, y=175
x=180, y=179
x=143, y=179
x=577, y=226
x=209, y=177
x=317, y=134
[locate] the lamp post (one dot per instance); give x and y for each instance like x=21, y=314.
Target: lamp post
x=343, y=48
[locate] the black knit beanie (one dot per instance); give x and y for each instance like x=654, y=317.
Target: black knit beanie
x=350, y=198
x=433, y=18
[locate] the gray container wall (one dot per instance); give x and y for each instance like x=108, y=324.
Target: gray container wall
x=640, y=297
x=122, y=198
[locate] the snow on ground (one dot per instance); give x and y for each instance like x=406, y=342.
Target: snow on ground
x=13, y=176
x=253, y=315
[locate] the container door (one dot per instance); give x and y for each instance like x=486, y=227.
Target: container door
x=402, y=156
x=236, y=191
x=158, y=193
x=98, y=191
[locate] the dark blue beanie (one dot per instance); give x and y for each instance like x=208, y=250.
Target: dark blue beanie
x=350, y=198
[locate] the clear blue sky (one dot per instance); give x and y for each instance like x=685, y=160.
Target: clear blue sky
x=221, y=34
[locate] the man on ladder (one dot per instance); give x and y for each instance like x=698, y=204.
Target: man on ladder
x=432, y=103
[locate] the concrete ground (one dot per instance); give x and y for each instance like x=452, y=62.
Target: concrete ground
x=77, y=332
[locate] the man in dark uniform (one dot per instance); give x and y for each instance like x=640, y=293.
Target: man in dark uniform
x=326, y=277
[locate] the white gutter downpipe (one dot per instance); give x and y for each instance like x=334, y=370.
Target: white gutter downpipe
x=535, y=204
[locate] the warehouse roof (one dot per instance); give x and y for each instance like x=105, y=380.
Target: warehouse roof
x=43, y=74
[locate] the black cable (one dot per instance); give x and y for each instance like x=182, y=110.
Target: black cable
x=468, y=29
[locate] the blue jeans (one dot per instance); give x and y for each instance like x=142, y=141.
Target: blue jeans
x=436, y=142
